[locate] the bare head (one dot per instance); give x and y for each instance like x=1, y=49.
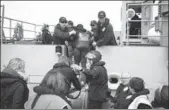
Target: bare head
x=17, y=64
x=136, y=85
x=93, y=24
x=125, y=78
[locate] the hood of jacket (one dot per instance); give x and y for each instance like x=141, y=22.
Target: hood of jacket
x=9, y=76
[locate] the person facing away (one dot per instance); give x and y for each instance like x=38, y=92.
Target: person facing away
x=97, y=77
x=105, y=31
x=46, y=35
x=161, y=97
x=82, y=44
x=52, y=91
x=141, y=101
x=61, y=32
x=14, y=90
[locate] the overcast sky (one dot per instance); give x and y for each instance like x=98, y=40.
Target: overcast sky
x=49, y=12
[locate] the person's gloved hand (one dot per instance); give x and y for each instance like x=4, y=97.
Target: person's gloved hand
x=76, y=67
x=72, y=32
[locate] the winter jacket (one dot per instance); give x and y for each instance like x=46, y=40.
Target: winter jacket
x=14, y=90
x=105, y=34
x=124, y=102
x=135, y=26
x=161, y=97
x=98, y=82
x=46, y=37
x=46, y=98
x=60, y=35
x=121, y=92
x=69, y=73
x=140, y=102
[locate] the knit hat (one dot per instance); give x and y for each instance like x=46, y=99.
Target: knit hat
x=94, y=55
x=80, y=28
x=101, y=14
x=137, y=84
x=62, y=20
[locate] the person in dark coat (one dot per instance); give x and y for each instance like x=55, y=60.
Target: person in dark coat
x=46, y=35
x=63, y=66
x=94, y=33
x=134, y=27
x=14, y=90
x=105, y=31
x=97, y=78
x=121, y=99
x=61, y=32
x=161, y=97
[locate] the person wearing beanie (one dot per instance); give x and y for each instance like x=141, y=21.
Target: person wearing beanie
x=161, y=97
x=141, y=101
x=97, y=77
x=105, y=31
x=61, y=32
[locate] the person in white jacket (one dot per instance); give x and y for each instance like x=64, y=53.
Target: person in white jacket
x=136, y=85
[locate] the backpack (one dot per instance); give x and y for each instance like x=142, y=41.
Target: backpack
x=83, y=40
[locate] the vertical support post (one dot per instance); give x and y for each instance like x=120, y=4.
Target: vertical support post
x=10, y=30
x=35, y=29
x=2, y=24
x=127, y=27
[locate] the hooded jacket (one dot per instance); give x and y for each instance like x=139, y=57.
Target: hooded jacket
x=106, y=34
x=69, y=73
x=98, y=81
x=46, y=98
x=60, y=35
x=14, y=90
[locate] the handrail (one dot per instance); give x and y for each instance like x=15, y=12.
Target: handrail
x=146, y=4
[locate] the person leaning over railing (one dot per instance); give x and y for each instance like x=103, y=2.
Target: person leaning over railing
x=105, y=31
x=14, y=90
x=61, y=32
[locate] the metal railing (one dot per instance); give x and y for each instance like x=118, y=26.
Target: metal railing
x=159, y=15
x=34, y=30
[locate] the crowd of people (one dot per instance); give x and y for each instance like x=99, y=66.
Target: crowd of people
x=61, y=79
x=54, y=90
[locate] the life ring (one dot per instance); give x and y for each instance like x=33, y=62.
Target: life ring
x=114, y=80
